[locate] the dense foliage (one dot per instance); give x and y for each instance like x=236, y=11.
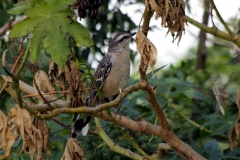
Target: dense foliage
x=185, y=93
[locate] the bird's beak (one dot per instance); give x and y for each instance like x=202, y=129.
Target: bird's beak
x=132, y=34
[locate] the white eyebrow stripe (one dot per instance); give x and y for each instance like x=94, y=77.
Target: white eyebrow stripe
x=119, y=37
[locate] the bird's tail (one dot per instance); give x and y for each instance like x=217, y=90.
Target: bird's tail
x=80, y=126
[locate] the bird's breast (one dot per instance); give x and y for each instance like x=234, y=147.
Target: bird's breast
x=117, y=78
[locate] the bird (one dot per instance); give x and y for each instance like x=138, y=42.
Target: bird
x=111, y=75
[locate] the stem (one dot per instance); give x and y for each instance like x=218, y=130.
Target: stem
x=221, y=19
x=213, y=31
x=194, y=123
x=23, y=63
x=111, y=145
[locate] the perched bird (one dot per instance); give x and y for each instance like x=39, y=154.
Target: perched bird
x=111, y=74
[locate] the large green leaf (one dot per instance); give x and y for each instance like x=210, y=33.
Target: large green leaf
x=48, y=24
x=212, y=150
x=192, y=93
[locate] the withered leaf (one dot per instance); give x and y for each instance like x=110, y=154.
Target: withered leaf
x=57, y=76
x=8, y=135
x=234, y=134
x=231, y=137
x=172, y=13
x=35, y=135
x=42, y=141
x=147, y=50
x=3, y=130
x=237, y=125
x=24, y=122
x=43, y=82
x=75, y=87
x=73, y=150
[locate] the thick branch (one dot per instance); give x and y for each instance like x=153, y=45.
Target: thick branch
x=166, y=132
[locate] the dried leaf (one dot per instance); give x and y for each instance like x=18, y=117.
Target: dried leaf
x=35, y=135
x=57, y=76
x=8, y=135
x=73, y=150
x=172, y=13
x=218, y=98
x=237, y=124
x=234, y=135
x=147, y=50
x=3, y=130
x=42, y=141
x=75, y=87
x=231, y=137
x=43, y=82
x=24, y=122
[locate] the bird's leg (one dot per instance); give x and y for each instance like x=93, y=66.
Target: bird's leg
x=120, y=104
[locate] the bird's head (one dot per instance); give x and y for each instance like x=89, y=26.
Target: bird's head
x=121, y=40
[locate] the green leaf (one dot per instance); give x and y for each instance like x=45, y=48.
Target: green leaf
x=48, y=24
x=24, y=27
x=19, y=8
x=14, y=156
x=80, y=34
x=192, y=93
x=36, y=41
x=56, y=43
x=149, y=75
x=210, y=122
x=196, y=147
x=212, y=150
x=228, y=154
x=224, y=125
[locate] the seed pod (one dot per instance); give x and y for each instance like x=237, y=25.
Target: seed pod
x=83, y=4
x=95, y=4
x=92, y=13
x=77, y=4
x=82, y=13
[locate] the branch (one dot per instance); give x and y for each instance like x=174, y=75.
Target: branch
x=221, y=19
x=166, y=133
x=33, y=91
x=214, y=31
x=112, y=145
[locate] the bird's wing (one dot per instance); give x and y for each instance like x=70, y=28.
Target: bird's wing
x=101, y=74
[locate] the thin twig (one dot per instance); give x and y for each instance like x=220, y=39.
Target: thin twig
x=61, y=124
x=50, y=93
x=15, y=64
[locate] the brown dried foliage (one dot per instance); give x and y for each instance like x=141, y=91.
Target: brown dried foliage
x=75, y=87
x=42, y=82
x=235, y=132
x=35, y=135
x=57, y=76
x=8, y=134
x=69, y=78
x=147, y=50
x=171, y=12
x=73, y=150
